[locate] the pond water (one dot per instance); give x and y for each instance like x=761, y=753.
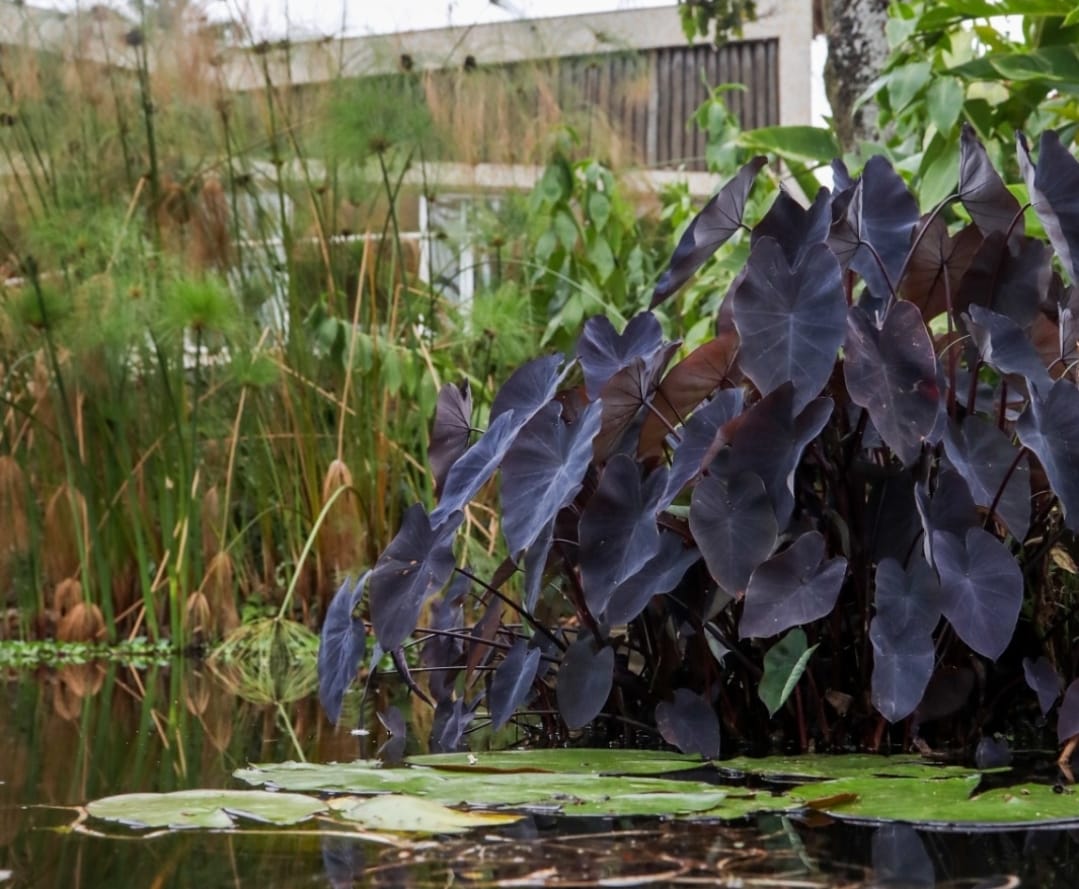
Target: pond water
x=81, y=732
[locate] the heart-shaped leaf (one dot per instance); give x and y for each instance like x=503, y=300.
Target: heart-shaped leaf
x=475, y=466
x=937, y=265
x=981, y=190
x=793, y=588
x=701, y=438
x=452, y=719
x=908, y=603
x=1050, y=428
x=791, y=322
x=1044, y=681
x=624, y=398
x=689, y=722
x=1053, y=186
x=1011, y=277
x=603, y=352
x=901, y=671
x=659, y=575
x=511, y=684
x=1004, y=346
x=795, y=228
x=784, y=665
x=450, y=431
x=982, y=589
x=415, y=566
x=529, y=388
x=892, y=373
x=734, y=524
x=618, y=531
x=950, y=508
x=709, y=230
x=341, y=645
x=442, y=653
x=584, y=682
x=1068, y=715
x=543, y=470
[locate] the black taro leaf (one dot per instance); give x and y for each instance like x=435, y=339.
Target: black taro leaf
x=908, y=603
x=624, y=397
x=702, y=436
x=535, y=562
x=950, y=509
x=769, y=440
x=892, y=373
x=689, y=722
x=901, y=671
x=529, y=388
x=584, y=681
x=1044, y=681
x=982, y=192
x=794, y=227
x=734, y=524
x=792, y=589
x=448, y=727
x=450, y=431
x=981, y=589
x=1068, y=715
x=900, y=859
x=992, y=753
x=791, y=322
x=442, y=654
x=603, y=352
x=1004, y=346
x=475, y=466
x=892, y=525
x=936, y=267
x=341, y=647
x=415, y=566
x=1010, y=277
x=393, y=750
x=685, y=386
x=949, y=689
x=983, y=455
x=512, y=682
x=1050, y=428
x=710, y=229
x=1054, y=192
x=543, y=471
x=618, y=531
x=660, y=575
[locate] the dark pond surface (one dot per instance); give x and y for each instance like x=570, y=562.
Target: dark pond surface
x=74, y=734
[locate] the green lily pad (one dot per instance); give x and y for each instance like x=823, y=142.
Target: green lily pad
x=791, y=768
x=947, y=801
x=361, y=776
x=564, y=761
x=205, y=808
x=399, y=813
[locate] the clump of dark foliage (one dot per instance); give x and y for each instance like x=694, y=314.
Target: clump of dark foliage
x=846, y=520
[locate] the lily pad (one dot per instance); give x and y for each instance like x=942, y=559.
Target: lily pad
x=214, y=809
x=397, y=813
x=856, y=765
x=563, y=761
x=361, y=776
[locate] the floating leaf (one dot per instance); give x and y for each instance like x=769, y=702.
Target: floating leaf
x=1050, y=428
x=792, y=768
x=791, y=322
x=341, y=646
x=793, y=588
x=1044, y=681
x=511, y=684
x=784, y=665
x=689, y=722
x=709, y=230
x=563, y=761
x=400, y=813
x=415, y=566
x=214, y=809
x=450, y=431
x=584, y=682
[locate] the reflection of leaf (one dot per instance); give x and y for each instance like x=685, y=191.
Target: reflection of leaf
x=205, y=808
x=783, y=667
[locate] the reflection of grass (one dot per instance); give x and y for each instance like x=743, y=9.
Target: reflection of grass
x=137, y=653
x=268, y=661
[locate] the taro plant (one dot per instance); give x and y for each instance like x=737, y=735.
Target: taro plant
x=853, y=507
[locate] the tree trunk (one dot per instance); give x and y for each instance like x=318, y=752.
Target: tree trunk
x=857, y=51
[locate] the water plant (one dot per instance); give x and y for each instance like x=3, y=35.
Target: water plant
x=851, y=508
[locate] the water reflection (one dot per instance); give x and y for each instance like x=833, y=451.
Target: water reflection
x=81, y=732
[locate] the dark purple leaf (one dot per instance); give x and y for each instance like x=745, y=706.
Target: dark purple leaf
x=950, y=509
x=992, y=753
x=769, y=439
x=901, y=671
x=342, y=646
x=1044, y=681
x=892, y=523
x=701, y=438
x=734, y=524
x=1011, y=277
x=603, y=352
x=1068, y=715
x=908, y=603
x=511, y=684
x=949, y=689
x=535, y=563
x=1050, y=428
x=584, y=682
x=795, y=228
x=792, y=589
x=475, y=466
x=448, y=727
x=689, y=722
x=981, y=589
x=709, y=230
x=442, y=654
x=624, y=398
x=685, y=386
x=841, y=176
x=981, y=190
x=892, y=373
x=983, y=455
x=1003, y=345
x=393, y=721
x=935, y=269
x=529, y=388
x=415, y=566
x=543, y=471
x=1053, y=186
x=659, y=575
x=791, y=322
x=618, y=531
x=450, y=430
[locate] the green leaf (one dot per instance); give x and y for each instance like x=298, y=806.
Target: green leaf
x=783, y=667
x=563, y=761
x=601, y=257
x=205, y=808
x=944, y=102
x=808, y=145
x=905, y=82
x=398, y=813
x=599, y=209
x=792, y=768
